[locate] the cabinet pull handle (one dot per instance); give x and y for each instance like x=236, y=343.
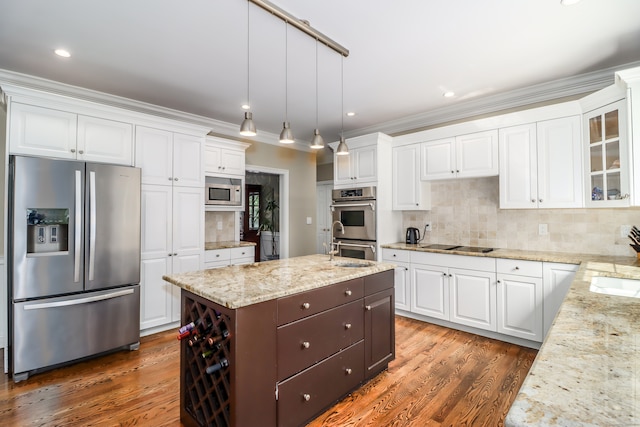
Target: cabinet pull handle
x=452, y=172
x=347, y=326
x=457, y=171
x=175, y=254
x=73, y=150
x=517, y=268
x=406, y=269
x=81, y=152
x=394, y=255
x=348, y=292
x=170, y=179
x=306, y=397
x=305, y=306
x=306, y=344
x=533, y=200
x=348, y=371
x=450, y=275
x=444, y=274
x=170, y=254
x=497, y=281
x=367, y=307
x=175, y=179
x=540, y=200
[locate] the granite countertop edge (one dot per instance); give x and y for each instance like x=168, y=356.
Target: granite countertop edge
x=230, y=244
x=242, y=285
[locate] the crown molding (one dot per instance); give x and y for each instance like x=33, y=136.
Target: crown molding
x=518, y=98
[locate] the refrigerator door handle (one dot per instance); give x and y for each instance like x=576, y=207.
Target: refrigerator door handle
x=92, y=223
x=78, y=301
x=78, y=227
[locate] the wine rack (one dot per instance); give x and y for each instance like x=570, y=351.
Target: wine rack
x=207, y=397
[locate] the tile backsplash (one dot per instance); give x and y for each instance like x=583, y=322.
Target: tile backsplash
x=224, y=233
x=466, y=212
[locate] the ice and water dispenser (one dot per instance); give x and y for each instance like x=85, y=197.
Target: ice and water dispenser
x=47, y=230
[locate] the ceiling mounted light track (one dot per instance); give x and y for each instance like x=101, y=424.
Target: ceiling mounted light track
x=301, y=25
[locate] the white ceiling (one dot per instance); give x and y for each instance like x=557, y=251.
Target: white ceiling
x=192, y=55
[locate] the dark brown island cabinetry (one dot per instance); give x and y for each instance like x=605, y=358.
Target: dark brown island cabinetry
x=286, y=360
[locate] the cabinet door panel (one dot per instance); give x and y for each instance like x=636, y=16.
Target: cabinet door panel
x=379, y=330
x=187, y=161
x=406, y=178
x=518, y=167
x=188, y=220
x=473, y=296
x=155, y=294
x=438, y=159
x=557, y=281
x=105, y=141
x=42, y=131
x=156, y=224
x=233, y=162
x=559, y=163
x=477, y=154
x=154, y=154
x=342, y=173
x=402, y=287
x=520, y=307
x=366, y=163
x=430, y=291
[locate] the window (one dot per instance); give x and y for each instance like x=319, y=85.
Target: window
x=254, y=210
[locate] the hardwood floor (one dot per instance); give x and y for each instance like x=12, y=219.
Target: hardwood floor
x=441, y=377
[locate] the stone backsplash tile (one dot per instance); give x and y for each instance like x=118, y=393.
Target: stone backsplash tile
x=466, y=212
x=227, y=220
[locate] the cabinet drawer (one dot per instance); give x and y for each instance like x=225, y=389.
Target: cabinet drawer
x=305, y=342
x=242, y=252
x=519, y=267
x=455, y=261
x=305, y=304
x=217, y=255
x=303, y=396
x=392, y=255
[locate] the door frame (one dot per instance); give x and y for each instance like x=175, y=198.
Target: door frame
x=283, y=214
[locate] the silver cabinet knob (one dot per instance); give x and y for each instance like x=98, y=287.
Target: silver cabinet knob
x=367, y=307
x=348, y=371
x=81, y=152
x=73, y=150
x=170, y=254
x=306, y=397
x=444, y=274
x=306, y=306
x=347, y=326
x=452, y=172
x=517, y=268
x=540, y=200
x=394, y=255
x=533, y=200
x=306, y=344
x=170, y=179
x=175, y=254
x=175, y=179
x=348, y=292
x=457, y=171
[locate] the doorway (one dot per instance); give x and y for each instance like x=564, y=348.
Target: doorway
x=266, y=187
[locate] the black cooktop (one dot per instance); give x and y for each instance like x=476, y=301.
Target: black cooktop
x=442, y=247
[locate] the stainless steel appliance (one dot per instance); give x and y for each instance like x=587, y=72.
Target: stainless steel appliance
x=413, y=236
x=355, y=208
x=74, y=261
x=223, y=191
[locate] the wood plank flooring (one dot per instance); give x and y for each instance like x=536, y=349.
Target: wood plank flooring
x=441, y=377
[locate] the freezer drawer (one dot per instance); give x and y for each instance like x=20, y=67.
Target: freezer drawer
x=52, y=331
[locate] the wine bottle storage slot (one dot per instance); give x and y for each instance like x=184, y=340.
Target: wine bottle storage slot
x=207, y=396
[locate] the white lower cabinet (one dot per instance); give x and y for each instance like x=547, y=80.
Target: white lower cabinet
x=515, y=298
x=520, y=298
x=225, y=257
x=402, y=276
x=557, y=280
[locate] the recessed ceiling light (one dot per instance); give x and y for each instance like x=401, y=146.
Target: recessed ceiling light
x=351, y=114
x=62, y=52
x=568, y=2
x=448, y=94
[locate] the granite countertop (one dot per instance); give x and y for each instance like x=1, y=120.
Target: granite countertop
x=211, y=246
x=587, y=372
x=241, y=285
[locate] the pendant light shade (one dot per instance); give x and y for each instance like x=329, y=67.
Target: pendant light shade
x=342, y=149
x=286, y=136
x=317, y=142
x=248, y=128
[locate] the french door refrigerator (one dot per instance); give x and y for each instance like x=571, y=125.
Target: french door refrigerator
x=74, y=261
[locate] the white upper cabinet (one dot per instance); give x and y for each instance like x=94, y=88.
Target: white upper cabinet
x=409, y=192
x=224, y=157
x=541, y=165
x=169, y=158
x=607, y=156
x=465, y=156
x=358, y=167
x=49, y=132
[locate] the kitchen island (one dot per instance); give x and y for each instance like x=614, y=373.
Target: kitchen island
x=276, y=343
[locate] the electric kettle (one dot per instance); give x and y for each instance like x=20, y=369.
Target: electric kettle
x=413, y=236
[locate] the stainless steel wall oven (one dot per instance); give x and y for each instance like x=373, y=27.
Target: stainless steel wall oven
x=355, y=208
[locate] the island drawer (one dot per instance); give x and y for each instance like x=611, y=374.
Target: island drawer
x=305, y=342
x=303, y=396
x=304, y=304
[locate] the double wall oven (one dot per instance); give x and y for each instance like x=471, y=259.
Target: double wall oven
x=355, y=208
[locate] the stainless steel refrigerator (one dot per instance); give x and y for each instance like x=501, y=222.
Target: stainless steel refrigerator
x=74, y=261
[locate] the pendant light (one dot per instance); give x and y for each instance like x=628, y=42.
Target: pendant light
x=286, y=136
x=248, y=128
x=317, y=142
x=342, y=149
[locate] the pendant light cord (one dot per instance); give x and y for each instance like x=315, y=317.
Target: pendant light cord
x=342, y=97
x=316, y=83
x=286, y=71
x=248, y=56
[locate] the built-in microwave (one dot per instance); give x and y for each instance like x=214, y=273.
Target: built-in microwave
x=223, y=191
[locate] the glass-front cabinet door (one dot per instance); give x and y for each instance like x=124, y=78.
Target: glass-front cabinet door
x=607, y=156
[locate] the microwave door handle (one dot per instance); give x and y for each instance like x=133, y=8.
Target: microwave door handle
x=352, y=205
